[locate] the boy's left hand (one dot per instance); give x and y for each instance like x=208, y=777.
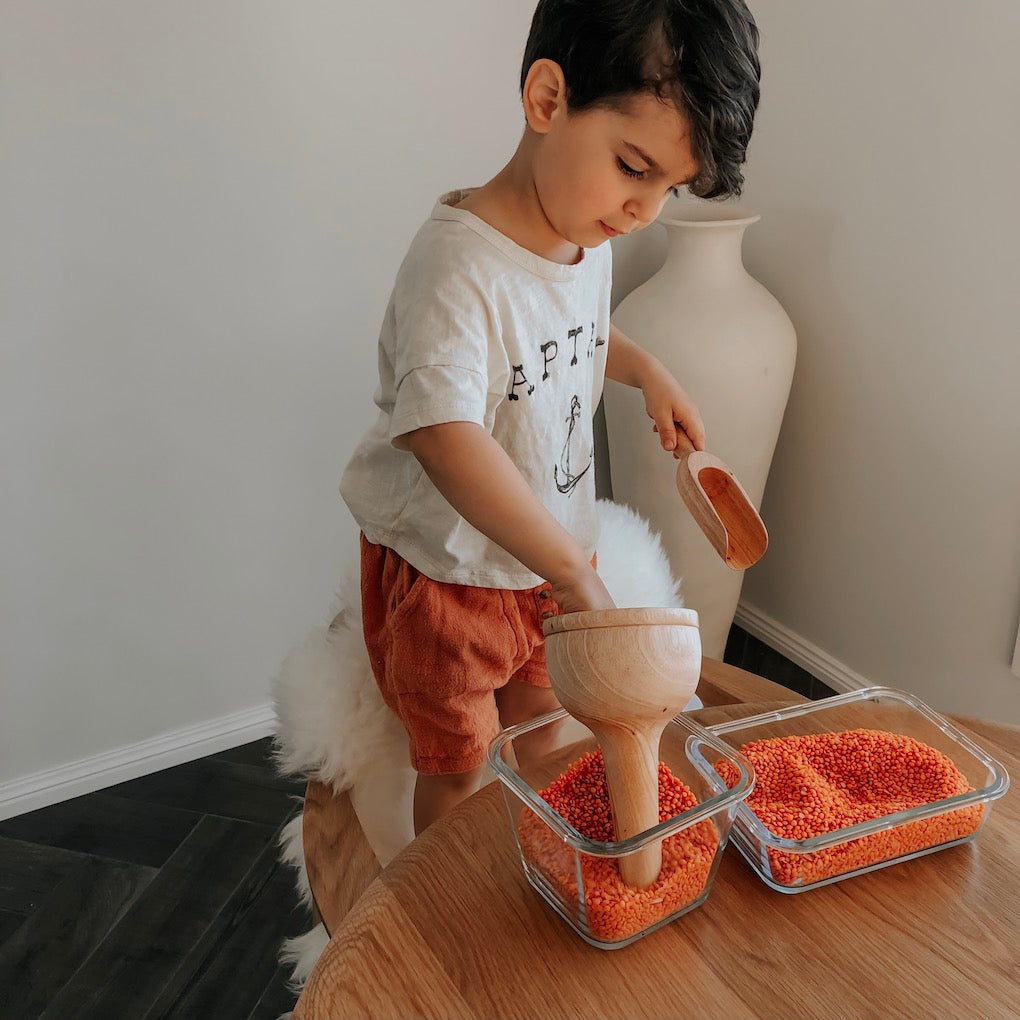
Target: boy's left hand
x=669, y=406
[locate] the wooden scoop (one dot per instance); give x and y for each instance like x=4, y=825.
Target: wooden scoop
x=625, y=673
x=718, y=503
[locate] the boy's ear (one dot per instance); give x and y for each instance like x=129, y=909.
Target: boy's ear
x=544, y=94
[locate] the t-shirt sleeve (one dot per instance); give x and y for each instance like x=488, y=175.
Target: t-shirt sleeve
x=443, y=333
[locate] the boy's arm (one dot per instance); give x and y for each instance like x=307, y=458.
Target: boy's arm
x=479, y=480
x=665, y=400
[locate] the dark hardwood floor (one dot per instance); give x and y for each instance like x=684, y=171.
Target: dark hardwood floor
x=747, y=652
x=161, y=897
x=164, y=898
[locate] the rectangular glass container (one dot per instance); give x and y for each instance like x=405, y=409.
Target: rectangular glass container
x=579, y=877
x=796, y=865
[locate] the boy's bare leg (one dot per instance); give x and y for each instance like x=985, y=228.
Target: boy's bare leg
x=518, y=702
x=435, y=796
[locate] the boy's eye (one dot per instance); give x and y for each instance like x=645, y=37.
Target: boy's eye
x=639, y=174
x=629, y=170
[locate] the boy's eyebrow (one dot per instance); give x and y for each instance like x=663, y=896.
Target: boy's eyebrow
x=652, y=165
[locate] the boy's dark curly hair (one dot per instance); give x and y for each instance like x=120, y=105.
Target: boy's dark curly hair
x=700, y=54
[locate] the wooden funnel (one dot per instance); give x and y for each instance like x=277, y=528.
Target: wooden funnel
x=625, y=673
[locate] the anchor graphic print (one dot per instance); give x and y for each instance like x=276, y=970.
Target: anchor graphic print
x=577, y=454
x=563, y=473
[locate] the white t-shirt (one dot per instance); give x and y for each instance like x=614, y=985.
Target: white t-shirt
x=480, y=329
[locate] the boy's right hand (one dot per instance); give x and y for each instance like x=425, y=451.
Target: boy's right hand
x=579, y=593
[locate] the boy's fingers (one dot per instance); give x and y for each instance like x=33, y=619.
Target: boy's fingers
x=666, y=428
x=681, y=441
x=694, y=433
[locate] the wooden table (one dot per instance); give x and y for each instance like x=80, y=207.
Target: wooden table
x=451, y=928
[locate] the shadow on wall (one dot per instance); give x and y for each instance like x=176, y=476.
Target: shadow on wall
x=791, y=243
x=636, y=258
x=791, y=253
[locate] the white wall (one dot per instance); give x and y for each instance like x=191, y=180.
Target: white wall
x=202, y=206
x=883, y=164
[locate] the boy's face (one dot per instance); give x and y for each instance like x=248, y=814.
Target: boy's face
x=604, y=172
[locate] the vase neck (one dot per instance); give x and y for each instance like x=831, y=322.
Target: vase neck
x=707, y=251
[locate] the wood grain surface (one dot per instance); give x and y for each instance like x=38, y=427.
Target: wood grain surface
x=452, y=929
x=338, y=858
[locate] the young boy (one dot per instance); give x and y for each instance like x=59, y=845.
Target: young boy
x=475, y=489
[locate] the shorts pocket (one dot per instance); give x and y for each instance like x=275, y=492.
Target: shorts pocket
x=407, y=593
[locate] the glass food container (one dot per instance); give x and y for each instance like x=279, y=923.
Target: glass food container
x=796, y=865
x=578, y=876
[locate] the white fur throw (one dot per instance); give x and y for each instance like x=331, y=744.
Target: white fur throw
x=333, y=726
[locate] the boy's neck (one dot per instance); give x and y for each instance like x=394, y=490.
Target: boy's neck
x=510, y=203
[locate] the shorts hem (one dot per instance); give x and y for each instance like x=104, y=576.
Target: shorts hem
x=446, y=766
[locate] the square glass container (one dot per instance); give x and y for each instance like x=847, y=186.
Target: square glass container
x=579, y=877
x=796, y=865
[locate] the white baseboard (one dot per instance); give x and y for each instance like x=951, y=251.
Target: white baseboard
x=98, y=771
x=798, y=650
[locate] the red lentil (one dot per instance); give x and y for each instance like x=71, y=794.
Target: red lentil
x=612, y=910
x=809, y=785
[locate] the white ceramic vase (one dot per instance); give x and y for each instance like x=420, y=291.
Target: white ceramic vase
x=732, y=347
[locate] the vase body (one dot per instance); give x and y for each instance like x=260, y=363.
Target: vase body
x=732, y=347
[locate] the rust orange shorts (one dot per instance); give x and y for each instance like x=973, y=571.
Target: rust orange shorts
x=440, y=651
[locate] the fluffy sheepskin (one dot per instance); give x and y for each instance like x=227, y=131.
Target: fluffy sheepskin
x=333, y=726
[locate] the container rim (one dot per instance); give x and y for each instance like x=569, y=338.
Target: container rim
x=725, y=797
x=748, y=820
x=600, y=619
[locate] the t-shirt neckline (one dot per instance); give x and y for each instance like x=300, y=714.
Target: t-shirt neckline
x=445, y=210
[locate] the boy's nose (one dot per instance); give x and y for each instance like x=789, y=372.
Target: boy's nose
x=643, y=209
